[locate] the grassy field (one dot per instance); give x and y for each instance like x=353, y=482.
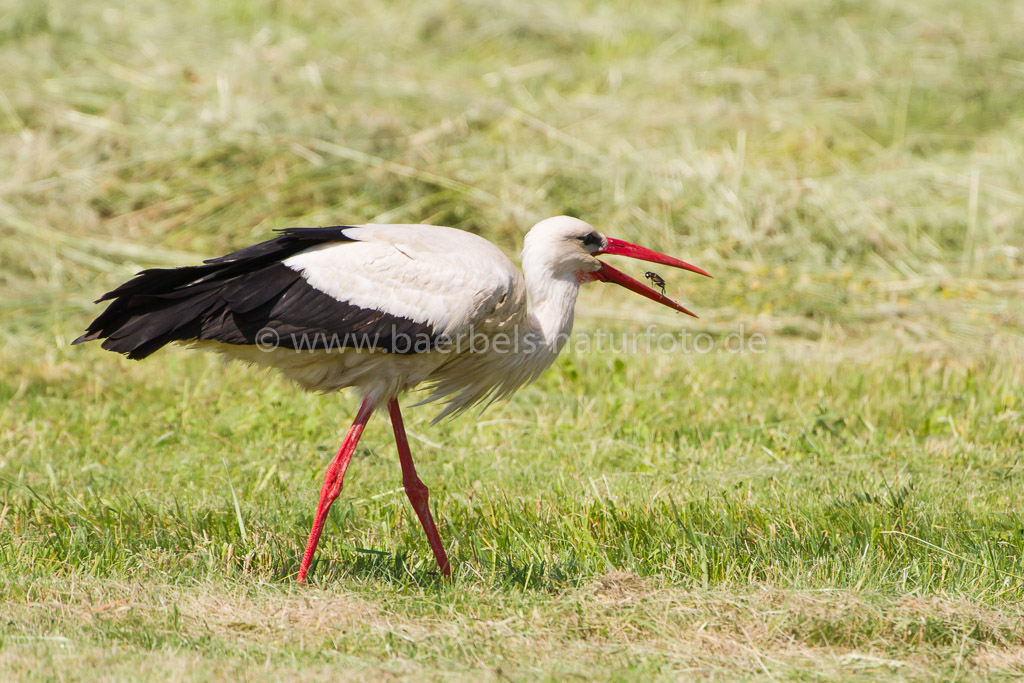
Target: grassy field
x=845, y=503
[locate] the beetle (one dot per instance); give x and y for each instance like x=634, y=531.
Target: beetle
x=656, y=279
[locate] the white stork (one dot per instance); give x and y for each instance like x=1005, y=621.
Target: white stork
x=382, y=308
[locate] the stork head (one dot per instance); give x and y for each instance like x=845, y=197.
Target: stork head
x=564, y=246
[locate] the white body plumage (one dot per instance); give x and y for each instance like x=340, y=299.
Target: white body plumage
x=505, y=330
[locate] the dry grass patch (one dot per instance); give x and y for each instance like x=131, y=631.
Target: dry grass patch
x=620, y=622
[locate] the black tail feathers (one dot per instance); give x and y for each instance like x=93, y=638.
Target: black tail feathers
x=220, y=299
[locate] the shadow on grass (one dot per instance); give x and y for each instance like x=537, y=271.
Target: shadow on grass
x=404, y=569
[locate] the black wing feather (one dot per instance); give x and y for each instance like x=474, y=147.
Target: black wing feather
x=232, y=298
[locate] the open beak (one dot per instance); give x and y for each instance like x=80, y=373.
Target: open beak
x=620, y=248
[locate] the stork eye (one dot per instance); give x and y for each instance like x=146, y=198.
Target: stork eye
x=591, y=240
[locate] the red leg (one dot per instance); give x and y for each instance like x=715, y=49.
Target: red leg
x=415, y=489
x=333, y=479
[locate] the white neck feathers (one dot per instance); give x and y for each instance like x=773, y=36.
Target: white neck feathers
x=552, y=304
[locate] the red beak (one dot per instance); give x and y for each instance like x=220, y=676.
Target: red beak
x=618, y=247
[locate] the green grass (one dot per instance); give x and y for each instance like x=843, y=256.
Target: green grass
x=844, y=505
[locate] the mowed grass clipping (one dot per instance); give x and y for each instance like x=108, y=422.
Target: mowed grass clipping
x=826, y=484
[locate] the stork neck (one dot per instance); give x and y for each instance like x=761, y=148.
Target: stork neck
x=552, y=303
